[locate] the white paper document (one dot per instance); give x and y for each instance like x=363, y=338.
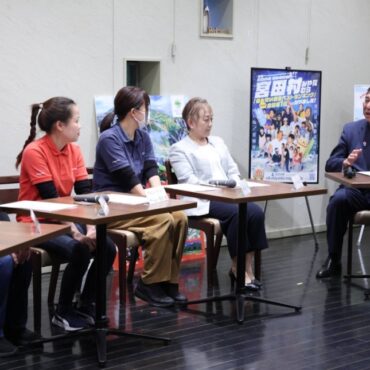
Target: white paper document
x=39, y=206
x=127, y=199
x=191, y=187
x=367, y=173
x=256, y=184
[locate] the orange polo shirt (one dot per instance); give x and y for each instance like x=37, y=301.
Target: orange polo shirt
x=43, y=162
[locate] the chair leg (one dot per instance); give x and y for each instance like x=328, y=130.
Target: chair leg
x=131, y=268
x=36, y=284
x=349, y=257
x=122, y=272
x=210, y=255
x=53, y=283
x=217, y=249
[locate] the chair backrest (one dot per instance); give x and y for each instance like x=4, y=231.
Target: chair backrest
x=171, y=176
x=9, y=188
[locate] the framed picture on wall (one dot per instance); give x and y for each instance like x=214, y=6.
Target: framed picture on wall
x=359, y=93
x=216, y=18
x=284, y=124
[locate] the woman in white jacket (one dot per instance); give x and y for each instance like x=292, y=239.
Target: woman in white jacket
x=199, y=158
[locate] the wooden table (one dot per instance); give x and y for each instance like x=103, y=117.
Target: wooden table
x=359, y=181
x=91, y=214
x=236, y=196
x=15, y=236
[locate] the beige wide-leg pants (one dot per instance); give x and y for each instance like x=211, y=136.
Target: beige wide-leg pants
x=163, y=237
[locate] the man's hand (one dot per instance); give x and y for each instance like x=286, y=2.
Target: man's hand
x=91, y=232
x=21, y=256
x=352, y=158
x=85, y=239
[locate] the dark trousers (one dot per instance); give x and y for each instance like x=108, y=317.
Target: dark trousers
x=79, y=257
x=343, y=204
x=14, y=283
x=228, y=215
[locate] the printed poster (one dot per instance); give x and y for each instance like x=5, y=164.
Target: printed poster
x=285, y=124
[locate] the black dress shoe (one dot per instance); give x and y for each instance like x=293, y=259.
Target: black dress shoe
x=153, y=294
x=249, y=286
x=22, y=337
x=329, y=268
x=172, y=290
x=7, y=348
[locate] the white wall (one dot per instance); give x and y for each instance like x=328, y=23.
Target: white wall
x=77, y=48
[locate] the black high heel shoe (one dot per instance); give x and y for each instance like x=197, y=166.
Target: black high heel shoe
x=257, y=282
x=249, y=286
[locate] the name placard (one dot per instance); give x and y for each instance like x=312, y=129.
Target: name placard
x=156, y=194
x=297, y=182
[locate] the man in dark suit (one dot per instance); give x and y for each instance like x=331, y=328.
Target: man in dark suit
x=352, y=151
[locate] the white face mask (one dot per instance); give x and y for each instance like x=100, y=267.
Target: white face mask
x=141, y=123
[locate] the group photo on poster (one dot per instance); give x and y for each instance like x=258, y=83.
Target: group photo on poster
x=285, y=124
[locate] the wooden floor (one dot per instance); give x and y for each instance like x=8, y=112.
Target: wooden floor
x=331, y=332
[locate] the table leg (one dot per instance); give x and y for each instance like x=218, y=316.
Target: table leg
x=101, y=346
x=240, y=262
x=101, y=318
x=311, y=221
x=240, y=255
x=101, y=329
x=239, y=296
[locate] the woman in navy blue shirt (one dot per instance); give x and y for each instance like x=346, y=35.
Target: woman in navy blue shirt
x=125, y=162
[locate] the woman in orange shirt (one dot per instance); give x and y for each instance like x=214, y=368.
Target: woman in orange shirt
x=52, y=167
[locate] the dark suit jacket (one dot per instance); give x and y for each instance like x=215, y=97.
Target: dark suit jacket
x=352, y=137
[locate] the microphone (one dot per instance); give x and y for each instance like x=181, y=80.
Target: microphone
x=349, y=172
x=228, y=183
x=90, y=198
